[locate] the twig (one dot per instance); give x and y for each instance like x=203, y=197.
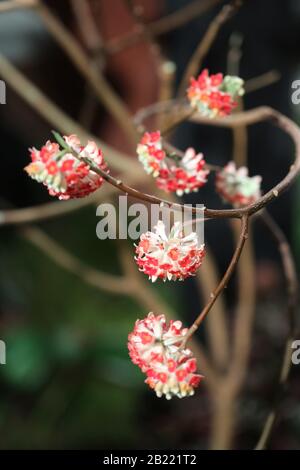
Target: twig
x=10, y=5
x=93, y=42
x=292, y=286
x=205, y=44
x=239, y=133
x=59, y=208
x=216, y=324
x=266, y=79
x=100, y=85
x=55, y=115
x=90, y=275
x=222, y=285
x=242, y=328
x=244, y=118
x=167, y=75
x=87, y=27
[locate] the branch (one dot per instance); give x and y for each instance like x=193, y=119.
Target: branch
x=217, y=328
x=64, y=259
x=222, y=285
x=244, y=320
x=266, y=79
x=292, y=286
x=244, y=118
x=81, y=61
x=34, y=97
x=85, y=21
x=205, y=44
x=59, y=208
x=10, y=5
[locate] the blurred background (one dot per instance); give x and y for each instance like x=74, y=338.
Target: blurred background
x=65, y=311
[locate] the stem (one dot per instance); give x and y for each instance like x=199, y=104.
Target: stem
x=223, y=284
x=205, y=44
x=292, y=284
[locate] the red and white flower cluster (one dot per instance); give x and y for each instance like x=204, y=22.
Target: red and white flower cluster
x=172, y=172
x=173, y=257
x=236, y=187
x=62, y=172
x=156, y=347
x=214, y=95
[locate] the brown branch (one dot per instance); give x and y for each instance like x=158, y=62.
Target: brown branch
x=10, y=5
x=217, y=328
x=205, y=44
x=292, y=286
x=266, y=79
x=93, y=42
x=167, y=75
x=241, y=119
x=87, y=28
x=243, y=322
x=59, y=208
x=34, y=97
x=222, y=285
x=90, y=275
x=95, y=78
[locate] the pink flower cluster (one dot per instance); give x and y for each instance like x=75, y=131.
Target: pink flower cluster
x=173, y=257
x=236, y=187
x=156, y=347
x=172, y=173
x=214, y=95
x=64, y=174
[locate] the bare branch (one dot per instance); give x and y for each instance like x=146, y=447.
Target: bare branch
x=92, y=276
x=205, y=44
x=292, y=285
x=217, y=328
x=99, y=84
x=225, y=279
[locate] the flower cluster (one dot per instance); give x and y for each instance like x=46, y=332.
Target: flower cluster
x=62, y=172
x=156, y=347
x=173, y=257
x=236, y=187
x=172, y=172
x=214, y=95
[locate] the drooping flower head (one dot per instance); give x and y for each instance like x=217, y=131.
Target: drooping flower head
x=156, y=347
x=152, y=337
x=174, y=377
x=173, y=173
x=236, y=187
x=62, y=172
x=173, y=257
x=214, y=95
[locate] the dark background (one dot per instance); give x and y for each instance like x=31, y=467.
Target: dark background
x=68, y=381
